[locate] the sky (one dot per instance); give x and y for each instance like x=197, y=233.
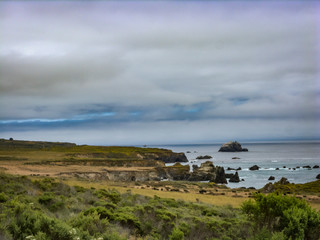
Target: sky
x=159, y=72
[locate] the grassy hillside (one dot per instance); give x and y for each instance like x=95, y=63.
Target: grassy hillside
x=56, y=151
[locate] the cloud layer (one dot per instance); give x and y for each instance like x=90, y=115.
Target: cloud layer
x=159, y=72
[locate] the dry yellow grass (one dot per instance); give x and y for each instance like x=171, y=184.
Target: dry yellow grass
x=191, y=197
x=220, y=200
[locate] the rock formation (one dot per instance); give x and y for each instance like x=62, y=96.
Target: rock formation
x=172, y=157
x=208, y=172
x=232, y=147
x=318, y=176
x=235, y=178
x=271, y=178
x=204, y=157
x=254, y=167
x=283, y=181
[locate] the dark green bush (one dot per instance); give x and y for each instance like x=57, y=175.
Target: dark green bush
x=283, y=213
x=102, y=212
x=46, y=198
x=112, y=195
x=3, y=197
x=90, y=222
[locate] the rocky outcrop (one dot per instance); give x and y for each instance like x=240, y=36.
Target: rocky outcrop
x=254, y=168
x=283, y=181
x=235, y=178
x=268, y=188
x=271, y=178
x=229, y=175
x=271, y=187
x=206, y=172
x=232, y=147
x=172, y=157
x=318, y=176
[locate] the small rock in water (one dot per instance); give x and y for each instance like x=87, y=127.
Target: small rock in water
x=316, y=166
x=271, y=178
x=204, y=157
x=306, y=166
x=294, y=168
x=277, y=168
x=318, y=176
x=254, y=167
x=235, y=158
x=297, y=167
x=284, y=166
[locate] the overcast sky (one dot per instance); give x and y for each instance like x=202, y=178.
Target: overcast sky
x=162, y=72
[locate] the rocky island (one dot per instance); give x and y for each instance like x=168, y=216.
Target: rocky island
x=232, y=147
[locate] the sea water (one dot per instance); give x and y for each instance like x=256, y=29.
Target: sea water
x=268, y=156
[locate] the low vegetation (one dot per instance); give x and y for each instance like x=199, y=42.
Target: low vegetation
x=310, y=188
x=46, y=152
x=45, y=208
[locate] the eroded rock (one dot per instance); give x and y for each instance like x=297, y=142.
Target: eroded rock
x=232, y=147
x=235, y=178
x=254, y=168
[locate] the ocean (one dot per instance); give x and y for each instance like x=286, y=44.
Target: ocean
x=268, y=156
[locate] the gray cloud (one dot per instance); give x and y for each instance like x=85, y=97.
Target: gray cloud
x=162, y=62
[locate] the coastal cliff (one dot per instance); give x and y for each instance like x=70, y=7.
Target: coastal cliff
x=113, y=163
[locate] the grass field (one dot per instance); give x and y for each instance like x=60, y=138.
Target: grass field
x=219, y=200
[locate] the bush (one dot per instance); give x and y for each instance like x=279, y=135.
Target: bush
x=283, y=213
x=46, y=198
x=51, y=202
x=176, y=234
x=101, y=211
x=3, y=197
x=90, y=222
x=112, y=195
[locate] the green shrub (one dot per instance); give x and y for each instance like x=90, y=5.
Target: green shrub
x=129, y=220
x=3, y=197
x=80, y=189
x=176, y=234
x=112, y=195
x=51, y=202
x=46, y=198
x=90, y=222
x=165, y=215
x=283, y=213
x=101, y=211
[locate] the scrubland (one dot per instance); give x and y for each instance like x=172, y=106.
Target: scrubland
x=38, y=203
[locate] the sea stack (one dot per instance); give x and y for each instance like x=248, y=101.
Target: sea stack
x=232, y=147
